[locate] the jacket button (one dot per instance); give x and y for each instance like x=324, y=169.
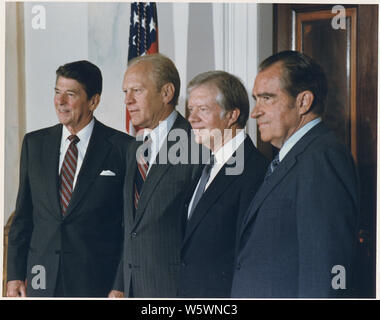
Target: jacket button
x=129, y=266
x=238, y=267
x=134, y=234
x=183, y=264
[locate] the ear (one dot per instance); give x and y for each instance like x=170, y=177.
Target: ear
x=232, y=116
x=304, y=101
x=94, y=102
x=167, y=92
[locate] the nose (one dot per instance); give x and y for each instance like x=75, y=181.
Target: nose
x=128, y=98
x=193, y=116
x=256, y=112
x=60, y=98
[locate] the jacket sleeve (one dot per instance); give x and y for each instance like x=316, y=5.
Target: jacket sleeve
x=22, y=225
x=327, y=220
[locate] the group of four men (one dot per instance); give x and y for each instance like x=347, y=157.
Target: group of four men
x=99, y=213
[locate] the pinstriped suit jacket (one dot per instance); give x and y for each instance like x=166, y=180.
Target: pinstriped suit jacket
x=152, y=239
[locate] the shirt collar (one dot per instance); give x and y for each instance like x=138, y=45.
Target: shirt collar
x=159, y=133
x=228, y=149
x=84, y=134
x=289, y=144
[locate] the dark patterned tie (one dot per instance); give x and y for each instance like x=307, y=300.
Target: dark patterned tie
x=68, y=169
x=142, y=169
x=272, y=166
x=202, y=183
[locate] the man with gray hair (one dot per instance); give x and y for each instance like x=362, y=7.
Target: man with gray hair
x=154, y=187
x=219, y=108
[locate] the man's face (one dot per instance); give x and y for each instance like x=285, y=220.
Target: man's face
x=73, y=108
x=206, y=116
x=144, y=101
x=276, y=111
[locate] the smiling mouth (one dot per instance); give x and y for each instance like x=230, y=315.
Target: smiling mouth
x=63, y=111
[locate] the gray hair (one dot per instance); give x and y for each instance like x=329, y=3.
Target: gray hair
x=163, y=71
x=231, y=93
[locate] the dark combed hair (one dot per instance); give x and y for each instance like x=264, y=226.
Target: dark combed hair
x=301, y=73
x=86, y=73
x=231, y=92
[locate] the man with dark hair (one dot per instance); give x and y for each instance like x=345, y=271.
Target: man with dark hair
x=298, y=236
x=154, y=187
x=66, y=236
x=219, y=108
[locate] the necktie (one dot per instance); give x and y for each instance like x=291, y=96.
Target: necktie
x=272, y=166
x=202, y=184
x=68, y=169
x=142, y=169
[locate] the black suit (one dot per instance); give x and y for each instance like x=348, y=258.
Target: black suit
x=302, y=222
x=152, y=238
x=82, y=248
x=208, y=247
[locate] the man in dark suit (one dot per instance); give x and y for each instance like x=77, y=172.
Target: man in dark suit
x=66, y=236
x=298, y=236
x=154, y=187
x=219, y=108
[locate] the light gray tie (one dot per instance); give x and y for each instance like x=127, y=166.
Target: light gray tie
x=202, y=184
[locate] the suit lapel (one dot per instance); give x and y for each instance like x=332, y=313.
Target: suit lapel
x=157, y=171
x=281, y=171
x=50, y=163
x=129, y=182
x=97, y=150
x=215, y=190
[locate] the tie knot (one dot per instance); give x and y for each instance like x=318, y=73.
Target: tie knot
x=147, y=139
x=276, y=159
x=73, y=138
x=212, y=160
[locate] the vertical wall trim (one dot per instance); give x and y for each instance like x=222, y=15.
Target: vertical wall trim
x=181, y=23
x=236, y=44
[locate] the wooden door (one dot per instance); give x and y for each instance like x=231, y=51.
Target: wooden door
x=346, y=47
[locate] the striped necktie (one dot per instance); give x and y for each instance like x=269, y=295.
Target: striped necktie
x=68, y=169
x=272, y=166
x=142, y=168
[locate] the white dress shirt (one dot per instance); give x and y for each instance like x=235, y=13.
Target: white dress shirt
x=84, y=138
x=158, y=136
x=221, y=157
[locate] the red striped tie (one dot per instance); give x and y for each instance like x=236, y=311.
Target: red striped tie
x=69, y=166
x=142, y=170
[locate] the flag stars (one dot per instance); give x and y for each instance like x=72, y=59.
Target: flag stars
x=152, y=25
x=135, y=18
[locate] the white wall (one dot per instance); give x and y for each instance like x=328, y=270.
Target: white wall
x=64, y=39
x=196, y=36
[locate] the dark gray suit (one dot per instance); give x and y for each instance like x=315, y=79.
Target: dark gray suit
x=302, y=222
x=82, y=248
x=208, y=248
x=152, y=239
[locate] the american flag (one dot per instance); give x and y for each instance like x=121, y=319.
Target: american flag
x=143, y=39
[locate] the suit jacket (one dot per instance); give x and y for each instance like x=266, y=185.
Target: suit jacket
x=152, y=236
x=208, y=248
x=301, y=224
x=83, y=247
